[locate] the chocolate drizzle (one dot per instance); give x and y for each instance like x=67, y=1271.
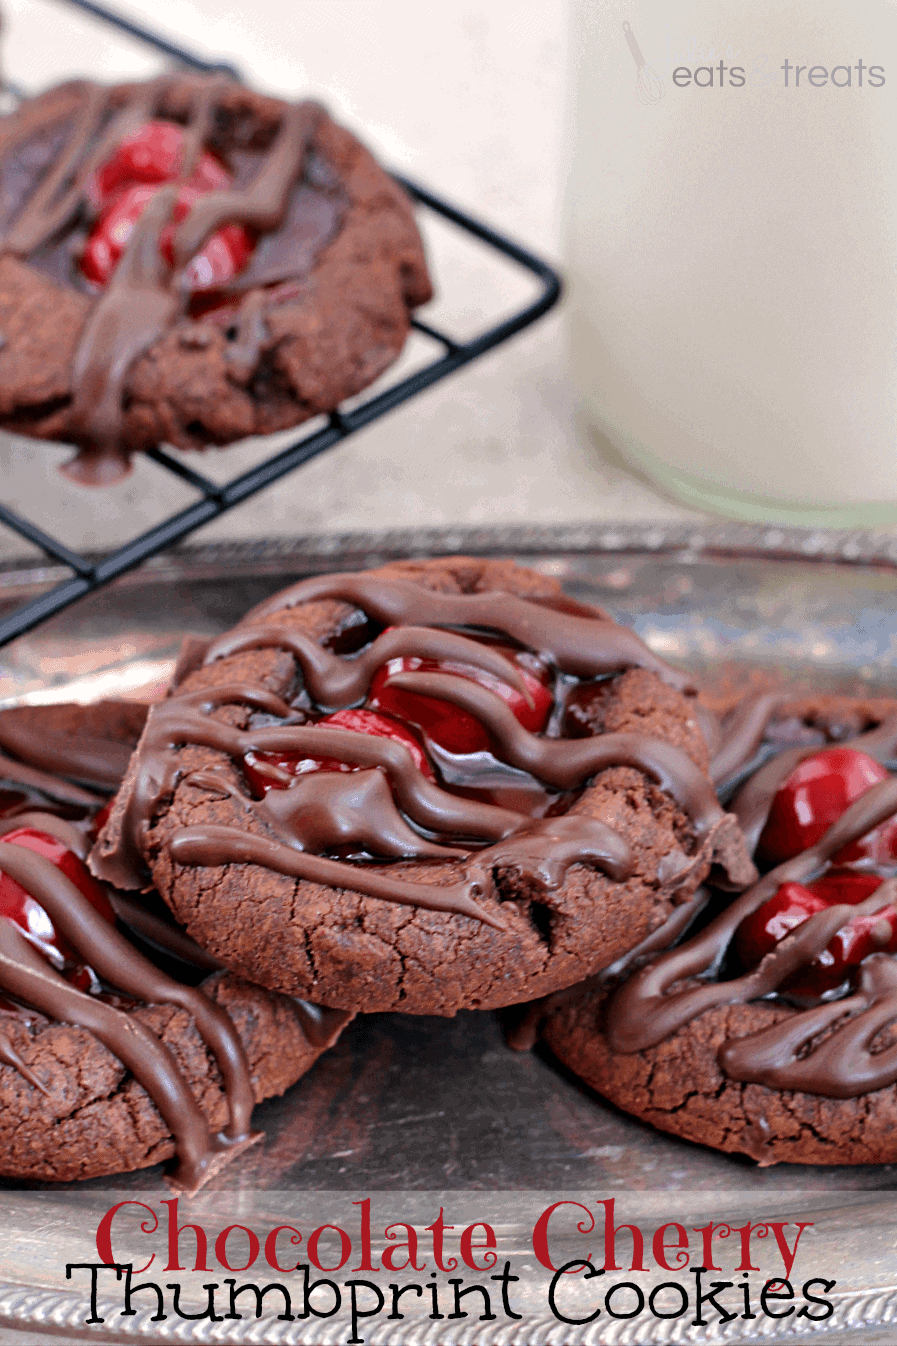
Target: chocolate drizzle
x=134, y=309
x=242, y=354
x=735, y=744
x=753, y=801
x=28, y=977
x=90, y=742
x=827, y=1050
x=586, y=647
x=388, y=808
x=262, y=205
x=335, y=683
x=63, y=190
x=146, y=295
x=43, y=783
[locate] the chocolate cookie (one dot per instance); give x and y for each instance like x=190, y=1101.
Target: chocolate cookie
x=68, y=742
x=111, y=1059
x=78, y=1112
x=190, y=262
x=770, y=1031
x=434, y=786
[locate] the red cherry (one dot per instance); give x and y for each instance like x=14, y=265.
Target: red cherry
x=224, y=255
x=788, y=908
x=795, y=903
x=448, y=726
x=153, y=155
x=814, y=796
x=844, y=885
x=18, y=906
x=274, y=771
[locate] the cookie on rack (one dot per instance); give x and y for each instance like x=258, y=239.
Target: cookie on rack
x=772, y=1030
x=433, y=786
x=187, y=261
x=112, y=1058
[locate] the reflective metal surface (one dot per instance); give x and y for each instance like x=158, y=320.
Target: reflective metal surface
x=424, y=1105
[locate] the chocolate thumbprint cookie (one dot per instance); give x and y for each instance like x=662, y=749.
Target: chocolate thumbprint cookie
x=771, y=1030
x=434, y=786
x=186, y=261
x=112, y=1058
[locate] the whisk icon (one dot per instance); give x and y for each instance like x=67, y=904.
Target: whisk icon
x=647, y=81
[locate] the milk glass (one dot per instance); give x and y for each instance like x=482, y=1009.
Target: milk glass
x=732, y=249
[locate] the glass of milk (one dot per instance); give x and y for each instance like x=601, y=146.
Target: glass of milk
x=732, y=250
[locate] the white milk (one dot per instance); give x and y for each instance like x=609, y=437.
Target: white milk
x=733, y=250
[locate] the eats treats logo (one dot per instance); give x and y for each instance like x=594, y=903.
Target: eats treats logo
x=697, y=63
x=648, y=83
x=571, y=1262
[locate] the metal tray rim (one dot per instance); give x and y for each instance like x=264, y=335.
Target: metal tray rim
x=320, y=550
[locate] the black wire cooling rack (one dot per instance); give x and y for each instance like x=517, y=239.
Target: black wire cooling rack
x=90, y=572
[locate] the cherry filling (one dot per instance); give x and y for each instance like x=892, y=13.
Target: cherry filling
x=405, y=717
x=814, y=796
x=124, y=185
x=450, y=727
x=795, y=903
x=17, y=905
x=809, y=801
x=276, y=771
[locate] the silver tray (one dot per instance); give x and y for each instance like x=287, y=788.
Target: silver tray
x=423, y=1112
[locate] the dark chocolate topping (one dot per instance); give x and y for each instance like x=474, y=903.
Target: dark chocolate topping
x=675, y=987
x=389, y=808
x=584, y=646
x=49, y=786
x=742, y=735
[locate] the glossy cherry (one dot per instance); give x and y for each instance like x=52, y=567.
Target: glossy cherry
x=124, y=185
x=276, y=771
x=18, y=906
x=222, y=257
x=795, y=903
x=152, y=156
x=447, y=725
x=814, y=796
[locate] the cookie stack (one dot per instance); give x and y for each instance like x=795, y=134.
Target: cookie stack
x=434, y=786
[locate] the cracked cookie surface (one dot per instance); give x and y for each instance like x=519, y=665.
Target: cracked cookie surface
x=678, y=1087
x=92, y=1117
